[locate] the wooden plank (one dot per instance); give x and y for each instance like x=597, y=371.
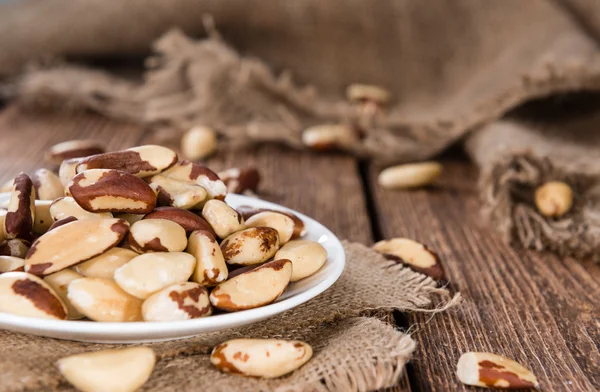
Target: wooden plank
x=535, y=308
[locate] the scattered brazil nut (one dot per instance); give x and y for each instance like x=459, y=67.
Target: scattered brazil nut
x=266, y=358
x=176, y=193
x=65, y=207
x=250, y=246
x=280, y=222
x=117, y=370
x=103, y=300
x=73, y=149
x=494, y=371
x=223, y=219
x=307, y=257
x=181, y=301
x=104, y=265
x=198, y=143
x=328, y=137
x=415, y=255
x=18, y=222
x=411, y=175
x=107, y=190
x=24, y=294
x=59, y=281
x=210, y=265
x=73, y=243
x=47, y=185
x=152, y=272
x=11, y=264
x=299, y=228
x=195, y=173
x=186, y=219
x=142, y=161
x=157, y=235
x=254, y=288
x=554, y=199
x=240, y=180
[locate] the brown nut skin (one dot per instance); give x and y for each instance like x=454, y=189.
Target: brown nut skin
x=73, y=243
x=195, y=173
x=47, y=185
x=413, y=254
x=177, y=193
x=106, y=190
x=62, y=222
x=265, y=358
x=252, y=289
x=73, y=149
x=65, y=207
x=181, y=301
x=250, y=246
x=241, y=180
x=15, y=247
x=186, y=219
x=26, y=295
x=299, y=228
x=142, y=161
x=494, y=371
x=18, y=222
x=157, y=235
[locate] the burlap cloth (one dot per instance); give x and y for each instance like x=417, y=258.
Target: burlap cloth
x=355, y=349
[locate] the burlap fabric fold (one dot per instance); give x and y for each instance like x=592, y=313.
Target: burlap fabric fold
x=275, y=69
x=355, y=349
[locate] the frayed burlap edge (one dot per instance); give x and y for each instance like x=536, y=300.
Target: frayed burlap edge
x=206, y=81
x=508, y=187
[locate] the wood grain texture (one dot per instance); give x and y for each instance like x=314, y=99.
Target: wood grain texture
x=535, y=308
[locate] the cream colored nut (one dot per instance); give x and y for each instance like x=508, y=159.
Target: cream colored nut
x=68, y=170
x=103, y=300
x=266, y=358
x=329, y=137
x=7, y=186
x=210, y=264
x=26, y=295
x=130, y=218
x=554, y=199
x=157, y=235
x=107, y=190
x=73, y=243
x=299, y=228
x=67, y=206
x=59, y=281
x=43, y=219
x=198, y=143
x=411, y=175
x=280, y=222
x=367, y=93
x=307, y=257
x=47, y=185
x=240, y=180
x=223, y=219
x=254, y=288
x=73, y=149
x=2, y=218
x=18, y=222
x=104, y=265
x=11, y=264
x=142, y=161
x=494, y=371
x=415, y=255
x=151, y=272
x=181, y=301
x=5, y=200
x=250, y=246
x=15, y=247
x=175, y=193
x=186, y=219
x=195, y=173
x=62, y=222
x=120, y=370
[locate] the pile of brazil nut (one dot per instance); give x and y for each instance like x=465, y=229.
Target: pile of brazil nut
x=138, y=235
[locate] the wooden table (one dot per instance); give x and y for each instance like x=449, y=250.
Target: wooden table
x=539, y=309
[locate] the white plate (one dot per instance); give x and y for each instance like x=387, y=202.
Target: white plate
x=138, y=332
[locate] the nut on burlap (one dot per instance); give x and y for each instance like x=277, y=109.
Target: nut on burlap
x=355, y=348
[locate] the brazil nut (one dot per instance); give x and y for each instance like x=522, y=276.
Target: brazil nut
x=195, y=173
x=176, y=193
x=280, y=222
x=73, y=149
x=240, y=180
x=65, y=207
x=59, y=281
x=413, y=254
x=27, y=295
x=250, y=246
x=47, y=185
x=18, y=222
x=223, y=219
x=307, y=257
x=11, y=264
x=186, y=219
x=181, y=301
x=104, y=265
x=210, y=265
x=157, y=235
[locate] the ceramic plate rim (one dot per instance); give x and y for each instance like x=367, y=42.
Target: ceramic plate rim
x=202, y=325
